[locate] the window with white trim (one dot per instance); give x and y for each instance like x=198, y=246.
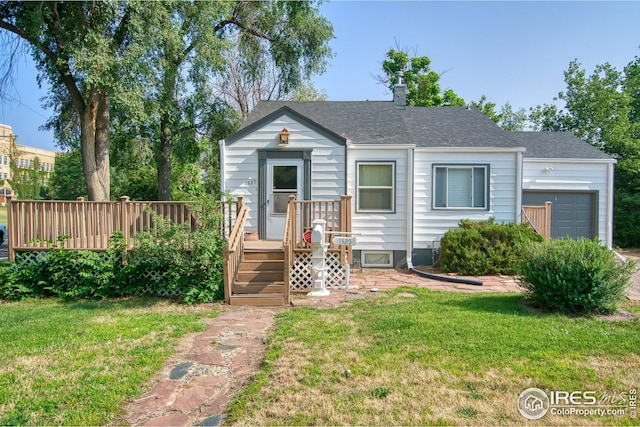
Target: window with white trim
x=375, y=186
x=460, y=186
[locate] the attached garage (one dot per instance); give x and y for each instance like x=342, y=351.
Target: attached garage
x=575, y=177
x=573, y=213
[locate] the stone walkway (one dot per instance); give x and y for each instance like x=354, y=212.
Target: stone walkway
x=210, y=367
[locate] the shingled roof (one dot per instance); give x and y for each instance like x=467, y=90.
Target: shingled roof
x=382, y=122
x=557, y=145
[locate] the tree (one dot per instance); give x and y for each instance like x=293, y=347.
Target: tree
x=196, y=42
x=67, y=179
x=601, y=109
x=150, y=62
x=82, y=49
x=512, y=120
x=423, y=84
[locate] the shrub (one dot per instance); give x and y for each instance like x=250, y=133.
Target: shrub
x=574, y=276
x=626, y=217
x=170, y=257
x=483, y=248
x=67, y=274
x=184, y=262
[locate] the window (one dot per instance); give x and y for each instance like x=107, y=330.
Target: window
x=377, y=259
x=375, y=183
x=460, y=187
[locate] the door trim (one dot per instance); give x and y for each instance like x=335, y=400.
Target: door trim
x=263, y=155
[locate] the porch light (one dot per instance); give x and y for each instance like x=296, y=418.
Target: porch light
x=284, y=137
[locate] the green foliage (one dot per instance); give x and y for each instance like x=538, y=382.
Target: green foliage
x=67, y=180
x=170, y=257
x=575, y=276
x=626, y=217
x=482, y=248
x=423, y=84
x=187, y=262
x=66, y=274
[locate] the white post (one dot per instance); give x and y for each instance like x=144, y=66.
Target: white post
x=318, y=252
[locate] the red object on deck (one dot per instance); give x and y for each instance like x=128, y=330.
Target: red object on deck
x=307, y=236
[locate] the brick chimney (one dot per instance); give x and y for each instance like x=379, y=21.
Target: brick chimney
x=400, y=92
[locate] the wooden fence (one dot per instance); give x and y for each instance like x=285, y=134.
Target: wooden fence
x=539, y=217
x=31, y=224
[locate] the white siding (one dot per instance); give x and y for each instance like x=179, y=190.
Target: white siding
x=380, y=231
x=241, y=163
x=431, y=224
x=556, y=174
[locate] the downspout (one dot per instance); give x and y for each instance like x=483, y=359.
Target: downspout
x=410, y=185
x=223, y=187
x=519, y=179
x=610, y=177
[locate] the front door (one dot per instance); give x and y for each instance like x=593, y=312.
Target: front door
x=284, y=177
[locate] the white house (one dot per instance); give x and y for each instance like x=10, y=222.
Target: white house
x=413, y=172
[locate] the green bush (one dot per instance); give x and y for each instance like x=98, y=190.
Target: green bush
x=484, y=248
x=626, y=217
x=184, y=262
x=67, y=274
x=574, y=276
x=170, y=257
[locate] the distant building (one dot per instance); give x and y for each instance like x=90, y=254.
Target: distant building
x=25, y=158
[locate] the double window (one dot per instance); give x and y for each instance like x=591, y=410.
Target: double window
x=460, y=186
x=376, y=186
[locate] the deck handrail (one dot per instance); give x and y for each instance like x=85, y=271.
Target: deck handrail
x=233, y=251
x=88, y=225
x=287, y=246
x=300, y=215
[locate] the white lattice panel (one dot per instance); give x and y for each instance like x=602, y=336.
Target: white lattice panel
x=149, y=276
x=300, y=278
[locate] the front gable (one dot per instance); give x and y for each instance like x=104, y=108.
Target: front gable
x=277, y=116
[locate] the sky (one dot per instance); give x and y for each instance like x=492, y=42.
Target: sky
x=510, y=51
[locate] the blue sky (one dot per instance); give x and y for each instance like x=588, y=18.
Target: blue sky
x=509, y=51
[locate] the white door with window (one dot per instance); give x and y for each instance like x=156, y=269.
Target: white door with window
x=284, y=177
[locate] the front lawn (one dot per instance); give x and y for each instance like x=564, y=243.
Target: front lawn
x=437, y=358
x=77, y=364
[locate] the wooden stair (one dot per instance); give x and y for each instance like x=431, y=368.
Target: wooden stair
x=260, y=278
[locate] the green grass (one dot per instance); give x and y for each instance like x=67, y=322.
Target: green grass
x=78, y=364
x=3, y=215
x=439, y=358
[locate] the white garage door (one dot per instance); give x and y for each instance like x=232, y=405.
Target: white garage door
x=573, y=214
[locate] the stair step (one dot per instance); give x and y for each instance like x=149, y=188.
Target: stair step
x=257, y=299
x=258, y=288
x=260, y=276
x=262, y=264
x=254, y=254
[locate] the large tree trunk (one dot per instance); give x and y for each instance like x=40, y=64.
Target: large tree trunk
x=163, y=160
x=94, y=144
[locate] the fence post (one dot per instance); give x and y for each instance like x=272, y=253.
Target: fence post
x=124, y=218
x=10, y=254
x=547, y=219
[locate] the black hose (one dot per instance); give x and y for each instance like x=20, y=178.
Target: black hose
x=446, y=278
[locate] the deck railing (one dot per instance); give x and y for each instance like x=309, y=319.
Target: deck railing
x=31, y=224
x=337, y=214
x=233, y=251
x=539, y=217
